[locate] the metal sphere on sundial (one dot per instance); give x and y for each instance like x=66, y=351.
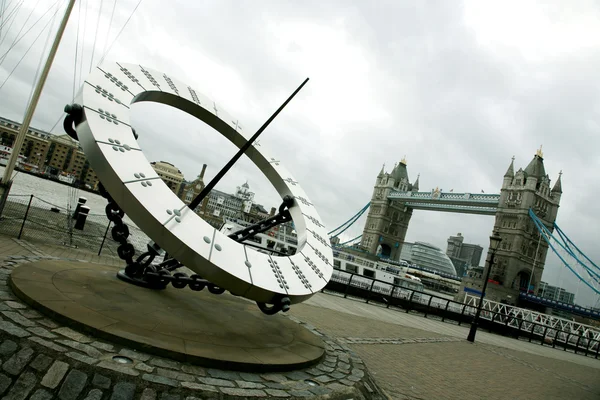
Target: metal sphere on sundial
x=106, y=136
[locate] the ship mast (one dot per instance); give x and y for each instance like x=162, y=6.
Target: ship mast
x=34, y=101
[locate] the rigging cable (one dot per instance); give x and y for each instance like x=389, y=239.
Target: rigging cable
x=83, y=42
x=23, y=25
x=29, y=48
x=112, y=14
x=75, y=66
x=96, y=35
x=28, y=30
x=2, y=8
x=43, y=54
x=14, y=11
x=121, y=31
x=106, y=52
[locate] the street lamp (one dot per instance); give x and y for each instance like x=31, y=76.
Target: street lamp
x=495, y=240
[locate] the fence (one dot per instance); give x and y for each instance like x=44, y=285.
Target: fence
x=584, y=341
x=31, y=218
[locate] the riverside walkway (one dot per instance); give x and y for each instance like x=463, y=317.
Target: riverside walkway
x=412, y=357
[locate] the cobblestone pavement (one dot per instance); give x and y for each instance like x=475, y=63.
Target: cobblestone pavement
x=43, y=359
x=411, y=363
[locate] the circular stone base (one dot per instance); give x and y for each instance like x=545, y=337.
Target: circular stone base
x=220, y=331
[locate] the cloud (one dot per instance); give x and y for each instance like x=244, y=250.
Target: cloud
x=459, y=88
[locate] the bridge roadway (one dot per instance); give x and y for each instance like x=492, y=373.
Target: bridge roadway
x=466, y=203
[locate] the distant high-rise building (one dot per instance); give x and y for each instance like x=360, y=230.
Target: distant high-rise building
x=555, y=293
x=463, y=255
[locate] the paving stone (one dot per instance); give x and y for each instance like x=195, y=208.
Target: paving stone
x=18, y=318
x=22, y=387
x=277, y=393
x=161, y=362
x=275, y=385
x=47, y=343
x=31, y=314
x=180, y=376
x=301, y=393
x=353, y=378
x=244, y=392
x=123, y=391
x=344, y=366
x=4, y=307
x=94, y=394
x=41, y=362
x=314, y=372
x=41, y=394
x=18, y=361
x=135, y=355
x=55, y=374
x=347, y=382
x=199, y=386
x=337, y=375
x=274, y=377
x=101, y=381
x=47, y=323
x=5, y=382
x=4, y=295
x=298, y=375
x=217, y=373
x=325, y=368
x=194, y=370
x=320, y=390
x=251, y=377
x=160, y=379
x=81, y=358
x=144, y=367
x=13, y=330
x=73, y=385
x=358, y=372
x=148, y=394
x=118, y=368
x=73, y=335
x=85, y=348
x=249, y=385
x=216, y=382
x=15, y=304
x=102, y=346
x=170, y=396
x=8, y=347
x=39, y=331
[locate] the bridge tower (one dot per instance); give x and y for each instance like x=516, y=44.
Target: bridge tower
x=522, y=254
x=387, y=221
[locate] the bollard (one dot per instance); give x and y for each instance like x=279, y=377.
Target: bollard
x=81, y=201
x=81, y=217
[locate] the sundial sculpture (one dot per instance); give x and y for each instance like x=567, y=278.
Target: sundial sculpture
x=101, y=116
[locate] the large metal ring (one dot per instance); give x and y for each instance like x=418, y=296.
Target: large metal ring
x=105, y=133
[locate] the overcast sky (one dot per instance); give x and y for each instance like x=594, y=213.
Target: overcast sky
x=457, y=87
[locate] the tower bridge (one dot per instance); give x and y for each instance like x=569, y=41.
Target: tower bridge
x=521, y=257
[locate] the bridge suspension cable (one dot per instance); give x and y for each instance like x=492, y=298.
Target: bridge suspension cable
x=556, y=245
x=349, y=223
x=350, y=241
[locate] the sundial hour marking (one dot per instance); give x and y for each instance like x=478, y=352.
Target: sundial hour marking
x=290, y=181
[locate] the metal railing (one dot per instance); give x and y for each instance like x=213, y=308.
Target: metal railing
x=31, y=218
x=579, y=338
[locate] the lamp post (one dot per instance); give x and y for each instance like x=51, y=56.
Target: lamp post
x=495, y=240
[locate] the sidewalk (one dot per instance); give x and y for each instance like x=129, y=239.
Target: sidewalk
x=412, y=357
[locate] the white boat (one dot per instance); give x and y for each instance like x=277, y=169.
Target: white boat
x=5, y=153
